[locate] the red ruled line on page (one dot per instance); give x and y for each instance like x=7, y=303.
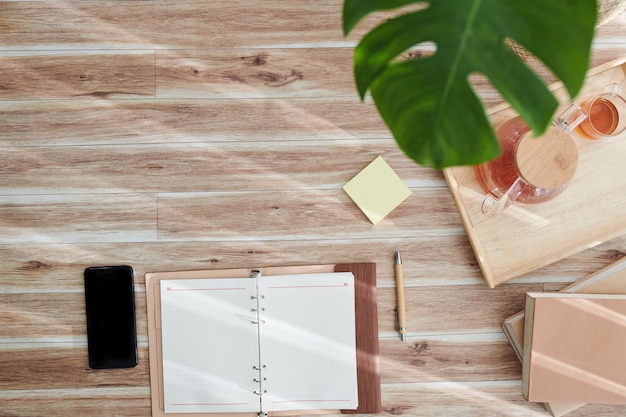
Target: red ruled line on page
x=170, y=289
x=310, y=401
x=345, y=284
x=207, y=404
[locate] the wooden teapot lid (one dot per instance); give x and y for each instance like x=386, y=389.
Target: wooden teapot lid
x=548, y=161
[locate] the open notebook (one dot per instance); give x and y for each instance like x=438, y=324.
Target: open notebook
x=267, y=343
x=362, y=322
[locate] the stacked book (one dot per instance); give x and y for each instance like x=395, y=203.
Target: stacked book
x=572, y=344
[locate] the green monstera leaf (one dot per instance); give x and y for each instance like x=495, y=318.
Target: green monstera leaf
x=429, y=103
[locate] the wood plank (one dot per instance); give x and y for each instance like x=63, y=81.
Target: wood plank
x=77, y=218
x=68, y=74
x=65, y=368
x=255, y=73
x=428, y=261
x=474, y=399
x=452, y=308
x=575, y=267
x=184, y=167
x=169, y=24
x=611, y=32
x=64, y=122
x=605, y=280
x=55, y=316
x=35, y=268
x=95, y=402
x=303, y=215
x=431, y=359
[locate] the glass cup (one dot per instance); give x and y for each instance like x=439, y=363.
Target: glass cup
x=604, y=112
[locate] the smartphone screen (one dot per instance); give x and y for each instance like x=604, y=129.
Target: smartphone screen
x=110, y=307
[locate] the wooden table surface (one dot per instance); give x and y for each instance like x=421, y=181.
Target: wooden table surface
x=176, y=135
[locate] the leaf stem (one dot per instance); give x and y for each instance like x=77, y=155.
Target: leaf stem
x=457, y=59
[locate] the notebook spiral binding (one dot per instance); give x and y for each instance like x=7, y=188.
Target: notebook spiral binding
x=260, y=391
x=255, y=274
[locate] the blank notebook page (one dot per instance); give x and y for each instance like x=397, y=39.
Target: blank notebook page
x=209, y=345
x=308, y=342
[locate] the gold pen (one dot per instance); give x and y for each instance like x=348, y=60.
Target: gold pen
x=401, y=316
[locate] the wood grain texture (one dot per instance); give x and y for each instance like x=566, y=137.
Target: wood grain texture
x=169, y=24
x=436, y=359
x=175, y=135
x=58, y=316
x=186, y=120
x=429, y=311
x=57, y=75
x=47, y=368
x=319, y=214
x=166, y=167
x=100, y=402
x=255, y=73
x=31, y=268
x=63, y=218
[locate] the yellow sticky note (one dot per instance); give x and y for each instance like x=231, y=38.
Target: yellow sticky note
x=377, y=190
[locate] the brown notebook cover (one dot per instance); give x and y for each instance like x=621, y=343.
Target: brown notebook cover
x=368, y=375
x=574, y=348
x=608, y=280
x=366, y=306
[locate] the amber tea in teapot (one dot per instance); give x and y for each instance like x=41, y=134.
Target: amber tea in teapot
x=530, y=169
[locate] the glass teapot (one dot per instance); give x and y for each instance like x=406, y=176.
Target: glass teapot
x=530, y=169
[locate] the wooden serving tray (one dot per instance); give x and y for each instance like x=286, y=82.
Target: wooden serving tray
x=591, y=210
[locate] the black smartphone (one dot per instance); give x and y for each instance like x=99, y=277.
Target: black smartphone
x=110, y=308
